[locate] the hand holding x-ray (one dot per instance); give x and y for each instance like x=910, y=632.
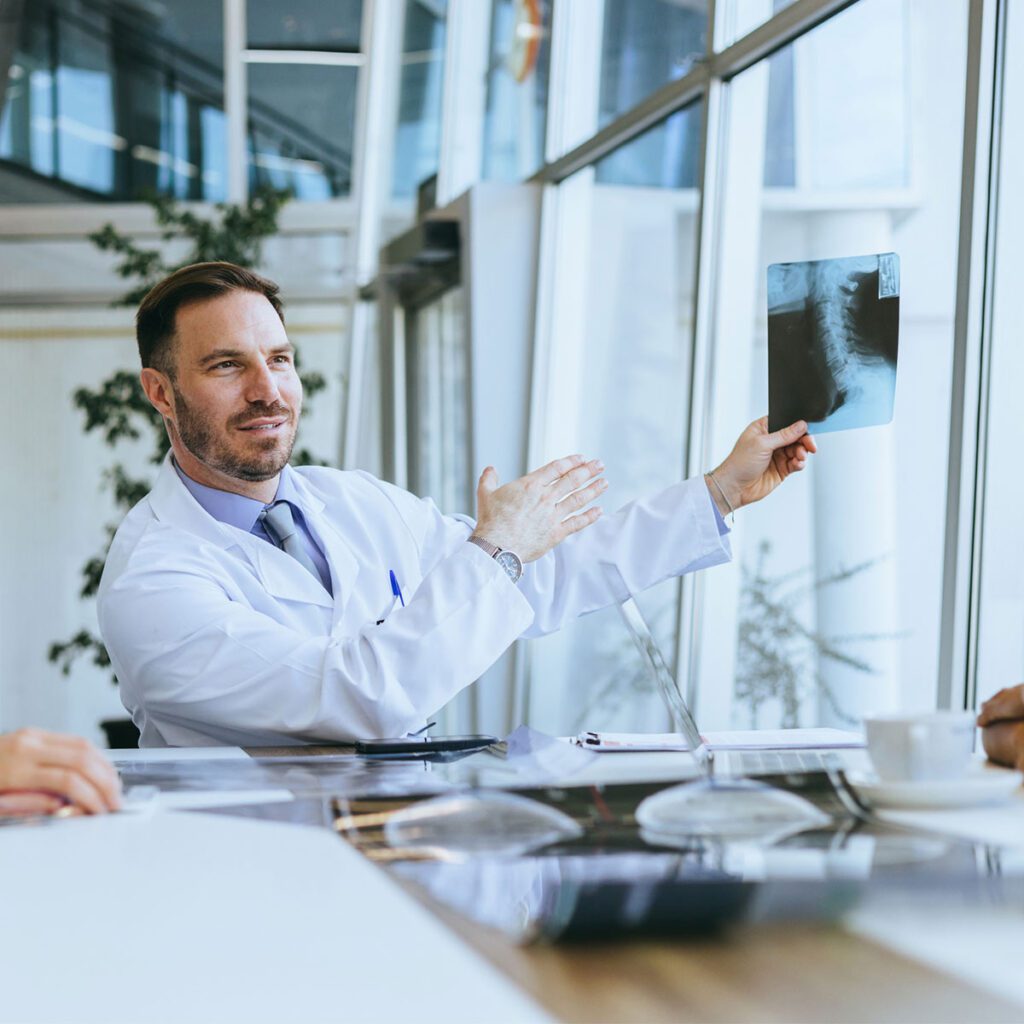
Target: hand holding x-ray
x=758, y=463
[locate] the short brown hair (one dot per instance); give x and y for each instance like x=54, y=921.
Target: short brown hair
x=155, y=320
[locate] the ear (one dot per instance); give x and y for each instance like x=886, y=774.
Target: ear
x=158, y=390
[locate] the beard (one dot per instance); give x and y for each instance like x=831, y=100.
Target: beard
x=265, y=457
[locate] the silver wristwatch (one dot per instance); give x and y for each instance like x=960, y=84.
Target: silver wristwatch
x=508, y=560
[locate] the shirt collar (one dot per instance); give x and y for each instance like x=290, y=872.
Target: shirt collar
x=236, y=509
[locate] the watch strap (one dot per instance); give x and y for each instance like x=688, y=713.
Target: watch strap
x=492, y=549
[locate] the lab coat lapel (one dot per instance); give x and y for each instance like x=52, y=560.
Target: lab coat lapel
x=343, y=563
x=282, y=575
x=279, y=573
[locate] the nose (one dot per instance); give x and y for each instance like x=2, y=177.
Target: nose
x=261, y=385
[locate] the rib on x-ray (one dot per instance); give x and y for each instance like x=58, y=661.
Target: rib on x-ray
x=833, y=331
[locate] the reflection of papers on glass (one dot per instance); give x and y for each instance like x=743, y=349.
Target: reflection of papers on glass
x=534, y=754
x=733, y=809
x=483, y=824
x=145, y=799
x=154, y=754
x=735, y=739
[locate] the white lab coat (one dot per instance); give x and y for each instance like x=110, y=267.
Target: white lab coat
x=218, y=637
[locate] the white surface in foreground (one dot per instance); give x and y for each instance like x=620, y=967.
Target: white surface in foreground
x=979, y=945
x=176, y=917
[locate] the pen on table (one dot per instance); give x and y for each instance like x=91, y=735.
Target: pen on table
x=396, y=592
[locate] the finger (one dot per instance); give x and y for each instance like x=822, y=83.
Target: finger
x=27, y=802
x=1004, y=743
x=584, y=496
x=80, y=756
x=488, y=482
x=579, y=522
x=68, y=783
x=1006, y=704
x=575, y=479
x=554, y=470
x=787, y=435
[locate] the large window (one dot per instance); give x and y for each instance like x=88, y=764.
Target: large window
x=617, y=383
x=295, y=145
x=123, y=100
x=297, y=52
x=832, y=606
x=1000, y=595
x=115, y=101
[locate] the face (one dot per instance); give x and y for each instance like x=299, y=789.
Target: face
x=233, y=406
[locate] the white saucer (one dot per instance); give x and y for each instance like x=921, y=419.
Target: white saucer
x=980, y=786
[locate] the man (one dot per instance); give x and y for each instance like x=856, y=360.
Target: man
x=44, y=772
x=248, y=603
x=1002, y=722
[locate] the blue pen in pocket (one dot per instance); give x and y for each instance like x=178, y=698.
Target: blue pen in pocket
x=395, y=588
x=396, y=596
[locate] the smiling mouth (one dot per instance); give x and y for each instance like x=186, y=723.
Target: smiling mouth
x=267, y=426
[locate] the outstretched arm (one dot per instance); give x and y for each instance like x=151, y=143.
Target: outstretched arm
x=758, y=463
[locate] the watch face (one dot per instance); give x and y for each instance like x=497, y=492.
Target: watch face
x=511, y=563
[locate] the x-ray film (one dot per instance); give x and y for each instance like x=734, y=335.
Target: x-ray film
x=833, y=332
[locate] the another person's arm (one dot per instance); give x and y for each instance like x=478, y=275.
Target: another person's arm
x=1002, y=726
x=42, y=771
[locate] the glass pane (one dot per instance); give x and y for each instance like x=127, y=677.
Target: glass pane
x=645, y=44
x=418, y=133
x=667, y=156
x=294, y=144
x=117, y=101
x=831, y=607
x=27, y=131
x=517, y=89
x=743, y=16
x=304, y=25
x=618, y=381
x=438, y=441
x=1001, y=615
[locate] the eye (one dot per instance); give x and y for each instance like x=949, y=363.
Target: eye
x=226, y=364
x=282, y=360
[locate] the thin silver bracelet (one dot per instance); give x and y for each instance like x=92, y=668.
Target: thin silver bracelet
x=728, y=503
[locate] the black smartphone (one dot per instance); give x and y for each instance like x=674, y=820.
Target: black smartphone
x=412, y=745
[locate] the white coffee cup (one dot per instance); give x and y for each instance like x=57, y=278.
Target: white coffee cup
x=931, y=745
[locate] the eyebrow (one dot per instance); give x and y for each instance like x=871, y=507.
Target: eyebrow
x=236, y=353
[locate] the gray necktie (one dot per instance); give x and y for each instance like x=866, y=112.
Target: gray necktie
x=280, y=525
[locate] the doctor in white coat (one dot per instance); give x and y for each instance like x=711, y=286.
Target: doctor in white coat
x=245, y=602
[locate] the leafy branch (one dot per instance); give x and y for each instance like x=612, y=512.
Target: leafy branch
x=778, y=656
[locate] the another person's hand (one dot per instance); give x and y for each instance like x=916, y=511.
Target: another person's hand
x=41, y=771
x=1002, y=726
x=534, y=513
x=759, y=462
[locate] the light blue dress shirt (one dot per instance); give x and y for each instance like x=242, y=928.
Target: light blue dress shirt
x=244, y=514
